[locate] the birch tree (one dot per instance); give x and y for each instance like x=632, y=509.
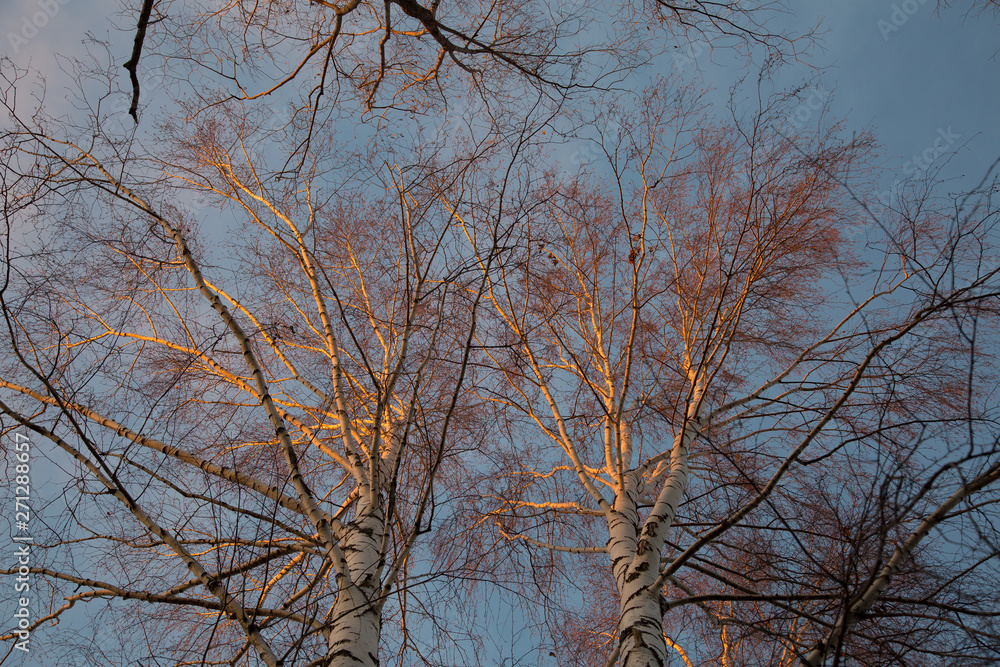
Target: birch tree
x=249, y=423
x=750, y=419
x=723, y=397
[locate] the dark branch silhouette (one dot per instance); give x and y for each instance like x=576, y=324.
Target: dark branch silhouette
x=133, y=64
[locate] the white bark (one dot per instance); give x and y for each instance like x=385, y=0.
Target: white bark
x=356, y=618
x=640, y=623
x=635, y=558
x=635, y=554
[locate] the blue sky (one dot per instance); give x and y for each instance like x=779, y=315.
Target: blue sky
x=904, y=75
x=936, y=71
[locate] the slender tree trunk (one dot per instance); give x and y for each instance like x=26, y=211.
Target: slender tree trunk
x=641, y=629
x=635, y=566
x=635, y=553
x=356, y=616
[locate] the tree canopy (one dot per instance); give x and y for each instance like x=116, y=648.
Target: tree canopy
x=331, y=357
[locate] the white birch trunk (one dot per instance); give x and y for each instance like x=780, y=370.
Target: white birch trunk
x=356, y=618
x=635, y=567
x=635, y=554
